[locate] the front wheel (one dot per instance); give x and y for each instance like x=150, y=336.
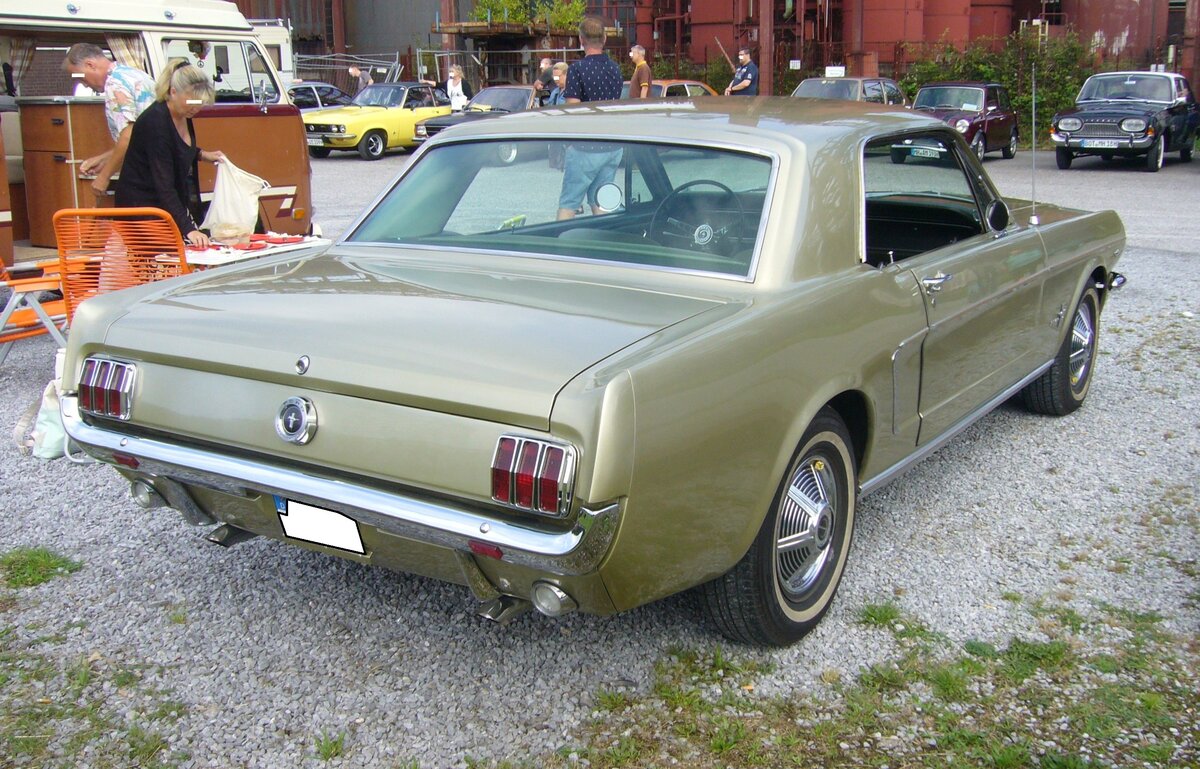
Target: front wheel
x=1064, y=386
x=1010, y=149
x=979, y=145
x=319, y=152
x=372, y=145
x=1154, y=158
x=786, y=581
x=1185, y=152
x=1063, y=157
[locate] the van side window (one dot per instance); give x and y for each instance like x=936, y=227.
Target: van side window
x=918, y=197
x=240, y=71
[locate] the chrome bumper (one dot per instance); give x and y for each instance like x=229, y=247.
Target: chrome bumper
x=1124, y=144
x=328, y=137
x=575, y=552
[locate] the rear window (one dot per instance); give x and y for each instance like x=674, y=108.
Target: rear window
x=651, y=205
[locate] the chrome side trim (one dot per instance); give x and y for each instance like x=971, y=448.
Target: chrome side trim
x=900, y=467
x=578, y=551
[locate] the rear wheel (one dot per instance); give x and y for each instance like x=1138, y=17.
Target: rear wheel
x=1063, y=157
x=1010, y=150
x=319, y=152
x=372, y=145
x=1154, y=158
x=1185, y=152
x=786, y=581
x=1064, y=386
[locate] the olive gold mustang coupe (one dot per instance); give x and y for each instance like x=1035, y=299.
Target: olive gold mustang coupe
x=669, y=347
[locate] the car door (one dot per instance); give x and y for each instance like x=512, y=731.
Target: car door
x=980, y=288
x=999, y=117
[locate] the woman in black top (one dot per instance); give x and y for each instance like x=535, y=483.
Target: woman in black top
x=160, y=165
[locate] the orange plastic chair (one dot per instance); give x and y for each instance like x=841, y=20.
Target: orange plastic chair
x=107, y=249
x=25, y=314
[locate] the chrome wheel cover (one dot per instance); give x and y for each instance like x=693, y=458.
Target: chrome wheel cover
x=375, y=144
x=804, y=528
x=1083, y=342
x=979, y=145
x=1012, y=144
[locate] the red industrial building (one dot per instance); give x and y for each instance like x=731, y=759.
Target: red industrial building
x=867, y=36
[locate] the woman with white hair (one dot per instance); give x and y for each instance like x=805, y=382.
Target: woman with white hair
x=160, y=168
x=456, y=87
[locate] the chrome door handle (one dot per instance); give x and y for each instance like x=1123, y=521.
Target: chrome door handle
x=934, y=284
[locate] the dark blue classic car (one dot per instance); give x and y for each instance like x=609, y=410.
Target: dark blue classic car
x=1126, y=114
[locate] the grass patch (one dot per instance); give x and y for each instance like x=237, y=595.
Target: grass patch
x=29, y=566
x=330, y=746
x=1029, y=704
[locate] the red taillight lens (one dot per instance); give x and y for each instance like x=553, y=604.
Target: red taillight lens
x=485, y=549
x=526, y=474
x=533, y=475
x=552, y=464
x=85, y=384
x=114, y=389
x=502, y=469
x=106, y=388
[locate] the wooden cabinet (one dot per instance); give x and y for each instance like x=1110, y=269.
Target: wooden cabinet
x=57, y=133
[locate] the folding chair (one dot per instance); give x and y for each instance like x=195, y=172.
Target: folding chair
x=25, y=315
x=107, y=249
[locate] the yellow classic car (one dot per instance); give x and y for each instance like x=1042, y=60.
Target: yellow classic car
x=381, y=117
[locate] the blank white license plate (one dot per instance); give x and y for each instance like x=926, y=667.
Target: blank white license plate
x=921, y=152
x=319, y=526
x=316, y=141
x=1101, y=144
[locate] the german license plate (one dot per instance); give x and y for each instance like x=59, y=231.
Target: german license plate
x=1100, y=144
x=316, y=141
x=319, y=526
x=923, y=152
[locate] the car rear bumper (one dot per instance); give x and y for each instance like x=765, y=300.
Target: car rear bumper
x=440, y=523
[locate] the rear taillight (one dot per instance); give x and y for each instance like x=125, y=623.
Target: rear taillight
x=533, y=475
x=106, y=388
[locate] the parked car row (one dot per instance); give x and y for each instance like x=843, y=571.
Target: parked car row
x=1117, y=114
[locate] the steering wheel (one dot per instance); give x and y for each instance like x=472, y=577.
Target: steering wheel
x=697, y=227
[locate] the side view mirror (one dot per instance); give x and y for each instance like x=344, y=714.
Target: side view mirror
x=997, y=216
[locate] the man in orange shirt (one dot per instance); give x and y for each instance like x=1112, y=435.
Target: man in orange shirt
x=639, y=84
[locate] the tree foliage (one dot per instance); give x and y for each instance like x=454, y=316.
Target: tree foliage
x=563, y=14
x=1061, y=65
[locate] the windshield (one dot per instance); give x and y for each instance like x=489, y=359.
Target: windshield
x=653, y=205
x=949, y=97
x=1136, y=86
x=506, y=99
x=380, y=96
x=827, y=89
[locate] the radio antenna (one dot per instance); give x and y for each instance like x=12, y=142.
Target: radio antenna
x=1033, y=132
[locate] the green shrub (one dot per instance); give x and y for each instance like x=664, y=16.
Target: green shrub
x=1061, y=65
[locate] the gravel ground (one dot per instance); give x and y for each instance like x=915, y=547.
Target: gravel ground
x=268, y=646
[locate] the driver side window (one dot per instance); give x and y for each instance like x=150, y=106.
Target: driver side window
x=918, y=197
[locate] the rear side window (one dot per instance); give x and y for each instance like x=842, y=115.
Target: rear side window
x=893, y=93
x=873, y=91
x=304, y=98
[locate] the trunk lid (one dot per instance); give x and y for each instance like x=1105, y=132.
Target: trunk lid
x=481, y=344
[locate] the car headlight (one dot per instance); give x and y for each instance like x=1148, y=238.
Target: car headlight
x=1134, y=125
x=341, y=129
x=1070, y=124
x=961, y=125
x=421, y=131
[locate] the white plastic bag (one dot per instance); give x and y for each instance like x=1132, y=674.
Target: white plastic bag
x=234, y=209
x=48, y=439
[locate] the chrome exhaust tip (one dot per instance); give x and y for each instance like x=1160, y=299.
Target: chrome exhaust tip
x=503, y=609
x=145, y=495
x=550, y=600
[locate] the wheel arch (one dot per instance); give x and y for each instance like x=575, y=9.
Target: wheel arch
x=852, y=407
